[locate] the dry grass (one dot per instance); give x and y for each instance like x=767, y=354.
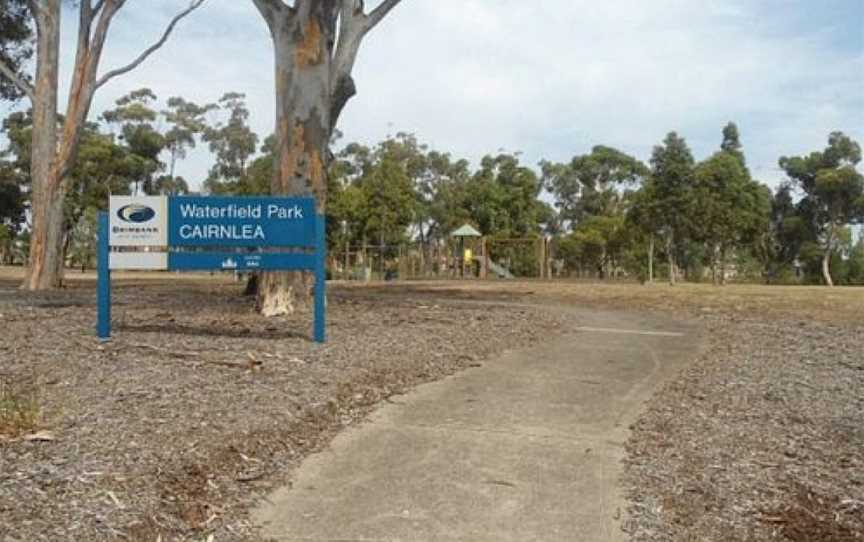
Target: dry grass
x=809, y=302
x=758, y=439
x=20, y=411
x=790, y=302
x=198, y=405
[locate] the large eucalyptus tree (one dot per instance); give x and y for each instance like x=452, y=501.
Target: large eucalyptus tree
x=833, y=192
x=315, y=44
x=55, y=150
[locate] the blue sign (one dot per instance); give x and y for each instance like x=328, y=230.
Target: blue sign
x=233, y=261
x=241, y=222
x=227, y=234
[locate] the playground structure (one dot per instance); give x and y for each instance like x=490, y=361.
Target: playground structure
x=468, y=255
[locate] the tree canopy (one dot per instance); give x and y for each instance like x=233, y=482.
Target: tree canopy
x=16, y=35
x=833, y=191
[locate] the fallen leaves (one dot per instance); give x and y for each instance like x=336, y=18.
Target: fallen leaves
x=766, y=427
x=198, y=404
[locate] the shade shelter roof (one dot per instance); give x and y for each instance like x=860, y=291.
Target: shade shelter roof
x=466, y=231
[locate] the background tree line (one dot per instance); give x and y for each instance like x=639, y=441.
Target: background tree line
x=608, y=214
x=712, y=218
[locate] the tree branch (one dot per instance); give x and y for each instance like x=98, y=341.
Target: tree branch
x=35, y=8
x=153, y=48
x=354, y=25
x=85, y=23
x=270, y=9
x=379, y=13
x=22, y=85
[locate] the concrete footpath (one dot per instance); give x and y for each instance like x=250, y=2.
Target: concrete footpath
x=527, y=447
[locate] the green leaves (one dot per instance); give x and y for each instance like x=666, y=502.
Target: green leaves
x=187, y=123
x=233, y=143
x=591, y=184
x=400, y=189
x=833, y=191
x=373, y=191
x=11, y=201
x=143, y=143
x=16, y=36
x=501, y=198
x=672, y=181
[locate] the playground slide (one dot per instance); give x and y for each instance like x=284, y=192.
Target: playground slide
x=501, y=271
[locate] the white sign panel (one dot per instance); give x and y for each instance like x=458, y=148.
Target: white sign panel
x=138, y=261
x=138, y=221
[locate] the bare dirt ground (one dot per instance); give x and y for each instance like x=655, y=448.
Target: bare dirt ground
x=198, y=406
x=762, y=438
x=780, y=302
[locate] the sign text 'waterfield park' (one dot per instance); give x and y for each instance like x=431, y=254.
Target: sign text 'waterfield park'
x=203, y=221
x=200, y=233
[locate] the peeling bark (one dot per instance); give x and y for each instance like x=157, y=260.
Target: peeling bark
x=45, y=231
x=313, y=85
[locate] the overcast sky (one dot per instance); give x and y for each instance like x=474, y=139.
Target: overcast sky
x=548, y=78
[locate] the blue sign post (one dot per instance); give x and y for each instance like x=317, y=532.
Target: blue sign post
x=103, y=286
x=218, y=233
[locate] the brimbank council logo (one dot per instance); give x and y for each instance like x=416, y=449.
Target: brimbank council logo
x=135, y=213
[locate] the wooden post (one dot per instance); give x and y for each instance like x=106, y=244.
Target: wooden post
x=651, y=260
x=546, y=265
x=346, y=273
x=540, y=257
x=483, y=260
x=367, y=269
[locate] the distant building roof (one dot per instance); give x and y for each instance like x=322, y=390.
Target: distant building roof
x=466, y=231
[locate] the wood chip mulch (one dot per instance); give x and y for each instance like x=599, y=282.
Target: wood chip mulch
x=199, y=407
x=761, y=439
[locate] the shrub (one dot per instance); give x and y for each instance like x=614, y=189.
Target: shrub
x=20, y=412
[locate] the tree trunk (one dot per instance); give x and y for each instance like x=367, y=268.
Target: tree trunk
x=53, y=156
x=303, y=134
x=715, y=259
x=313, y=84
x=172, y=161
x=47, y=188
x=601, y=268
x=251, y=288
x=826, y=257
x=670, y=243
x=722, y=265
x=651, y=259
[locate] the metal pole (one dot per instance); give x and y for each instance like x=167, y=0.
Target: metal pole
x=103, y=286
x=320, y=278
